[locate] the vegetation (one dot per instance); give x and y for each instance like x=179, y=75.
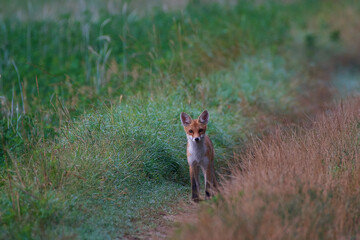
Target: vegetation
x=91, y=143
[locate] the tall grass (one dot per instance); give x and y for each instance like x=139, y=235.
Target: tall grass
x=78, y=63
x=299, y=184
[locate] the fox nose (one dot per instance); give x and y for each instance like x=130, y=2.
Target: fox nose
x=197, y=139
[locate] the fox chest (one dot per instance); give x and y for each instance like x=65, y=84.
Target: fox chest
x=196, y=155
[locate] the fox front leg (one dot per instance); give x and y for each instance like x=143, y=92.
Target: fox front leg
x=194, y=178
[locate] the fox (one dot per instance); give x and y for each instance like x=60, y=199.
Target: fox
x=200, y=155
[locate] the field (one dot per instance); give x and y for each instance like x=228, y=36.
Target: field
x=91, y=141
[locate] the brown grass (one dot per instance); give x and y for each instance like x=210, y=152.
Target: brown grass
x=298, y=184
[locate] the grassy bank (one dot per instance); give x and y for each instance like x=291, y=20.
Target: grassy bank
x=92, y=146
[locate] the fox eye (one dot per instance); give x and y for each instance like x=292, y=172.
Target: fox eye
x=201, y=130
x=191, y=131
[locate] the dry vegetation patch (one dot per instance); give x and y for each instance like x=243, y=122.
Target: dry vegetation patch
x=300, y=184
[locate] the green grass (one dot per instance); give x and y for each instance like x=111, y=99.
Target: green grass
x=78, y=63
x=92, y=147
x=109, y=171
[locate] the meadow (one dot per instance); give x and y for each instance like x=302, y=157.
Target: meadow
x=91, y=141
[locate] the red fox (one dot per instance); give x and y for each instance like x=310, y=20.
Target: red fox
x=200, y=154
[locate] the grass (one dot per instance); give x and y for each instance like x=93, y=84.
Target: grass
x=122, y=164
x=92, y=145
x=299, y=184
x=78, y=63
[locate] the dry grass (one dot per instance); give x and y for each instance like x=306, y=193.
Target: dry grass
x=299, y=184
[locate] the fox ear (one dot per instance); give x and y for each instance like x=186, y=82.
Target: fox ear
x=204, y=117
x=185, y=119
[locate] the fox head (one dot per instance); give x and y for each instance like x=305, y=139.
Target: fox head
x=195, y=129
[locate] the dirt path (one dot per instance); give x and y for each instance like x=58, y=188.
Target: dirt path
x=187, y=214
x=317, y=95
